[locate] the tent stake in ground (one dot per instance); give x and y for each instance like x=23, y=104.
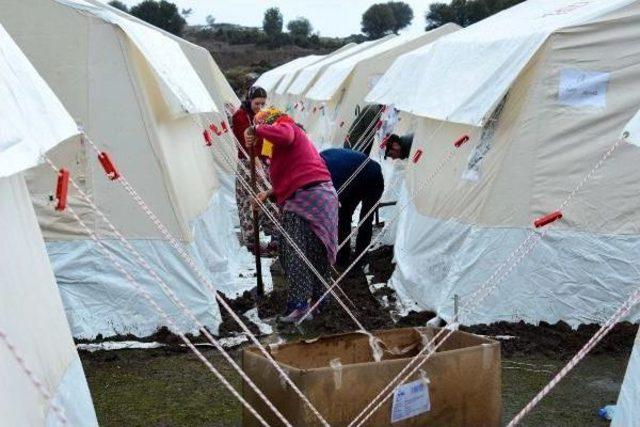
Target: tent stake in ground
x=256, y=227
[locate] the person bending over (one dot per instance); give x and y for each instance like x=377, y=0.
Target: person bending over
x=303, y=190
x=365, y=189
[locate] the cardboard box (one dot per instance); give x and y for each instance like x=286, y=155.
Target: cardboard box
x=339, y=376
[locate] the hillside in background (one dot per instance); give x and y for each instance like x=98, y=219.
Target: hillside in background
x=243, y=53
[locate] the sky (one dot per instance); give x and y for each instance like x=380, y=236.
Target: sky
x=333, y=18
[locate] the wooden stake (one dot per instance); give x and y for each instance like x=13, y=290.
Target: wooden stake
x=256, y=224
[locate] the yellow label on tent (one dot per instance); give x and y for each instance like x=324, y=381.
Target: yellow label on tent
x=267, y=148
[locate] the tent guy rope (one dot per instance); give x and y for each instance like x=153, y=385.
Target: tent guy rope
x=204, y=280
x=172, y=297
x=35, y=381
x=476, y=298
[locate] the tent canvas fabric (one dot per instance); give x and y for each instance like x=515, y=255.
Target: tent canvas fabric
x=628, y=407
x=309, y=75
x=281, y=96
x=307, y=111
x=32, y=121
x=107, y=82
x=269, y=80
x=545, y=137
x=23, y=93
x=632, y=131
x=341, y=89
x=485, y=60
x=206, y=68
x=179, y=83
x=278, y=95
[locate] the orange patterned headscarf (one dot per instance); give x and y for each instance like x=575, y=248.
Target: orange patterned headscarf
x=268, y=116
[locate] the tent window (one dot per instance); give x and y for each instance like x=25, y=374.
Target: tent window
x=474, y=166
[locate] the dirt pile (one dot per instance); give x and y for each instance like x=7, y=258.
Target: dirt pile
x=557, y=340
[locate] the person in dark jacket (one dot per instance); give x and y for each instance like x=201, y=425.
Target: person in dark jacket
x=366, y=189
x=398, y=147
x=363, y=129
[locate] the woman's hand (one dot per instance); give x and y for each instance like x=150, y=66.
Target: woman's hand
x=262, y=197
x=250, y=137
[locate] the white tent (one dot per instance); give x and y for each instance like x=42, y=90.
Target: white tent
x=627, y=411
x=542, y=89
x=143, y=97
x=628, y=407
x=32, y=121
x=341, y=89
x=279, y=97
x=305, y=110
x=270, y=79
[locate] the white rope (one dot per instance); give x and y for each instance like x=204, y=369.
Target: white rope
x=361, y=144
x=622, y=311
x=303, y=257
x=269, y=203
x=353, y=176
x=203, y=279
x=477, y=297
x=415, y=193
x=33, y=378
x=163, y=285
x=377, y=204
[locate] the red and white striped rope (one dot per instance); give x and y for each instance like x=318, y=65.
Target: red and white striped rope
x=163, y=285
x=377, y=204
x=622, y=311
x=380, y=235
x=478, y=296
x=33, y=378
x=271, y=205
x=204, y=280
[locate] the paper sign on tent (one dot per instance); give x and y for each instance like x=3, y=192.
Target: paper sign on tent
x=583, y=89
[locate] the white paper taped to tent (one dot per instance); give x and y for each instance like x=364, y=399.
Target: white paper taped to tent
x=308, y=75
x=483, y=60
x=628, y=408
x=31, y=313
x=112, y=90
x=523, y=164
x=269, y=80
x=181, y=86
x=632, y=131
x=32, y=119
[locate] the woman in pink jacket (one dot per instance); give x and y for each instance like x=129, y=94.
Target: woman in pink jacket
x=303, y=190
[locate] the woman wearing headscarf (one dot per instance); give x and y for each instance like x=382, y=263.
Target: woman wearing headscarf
x=254, y=101
x=308, y=202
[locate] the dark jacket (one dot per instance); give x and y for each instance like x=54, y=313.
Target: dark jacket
x=366, y=189
x=342, y=164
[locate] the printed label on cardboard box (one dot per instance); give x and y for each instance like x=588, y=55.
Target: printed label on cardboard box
x=410, y=400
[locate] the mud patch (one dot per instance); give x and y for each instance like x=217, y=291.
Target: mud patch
x=240, y=305
x=415, y=318
x=557, y=340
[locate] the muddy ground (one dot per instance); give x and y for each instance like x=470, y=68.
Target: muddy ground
x=170, y=387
